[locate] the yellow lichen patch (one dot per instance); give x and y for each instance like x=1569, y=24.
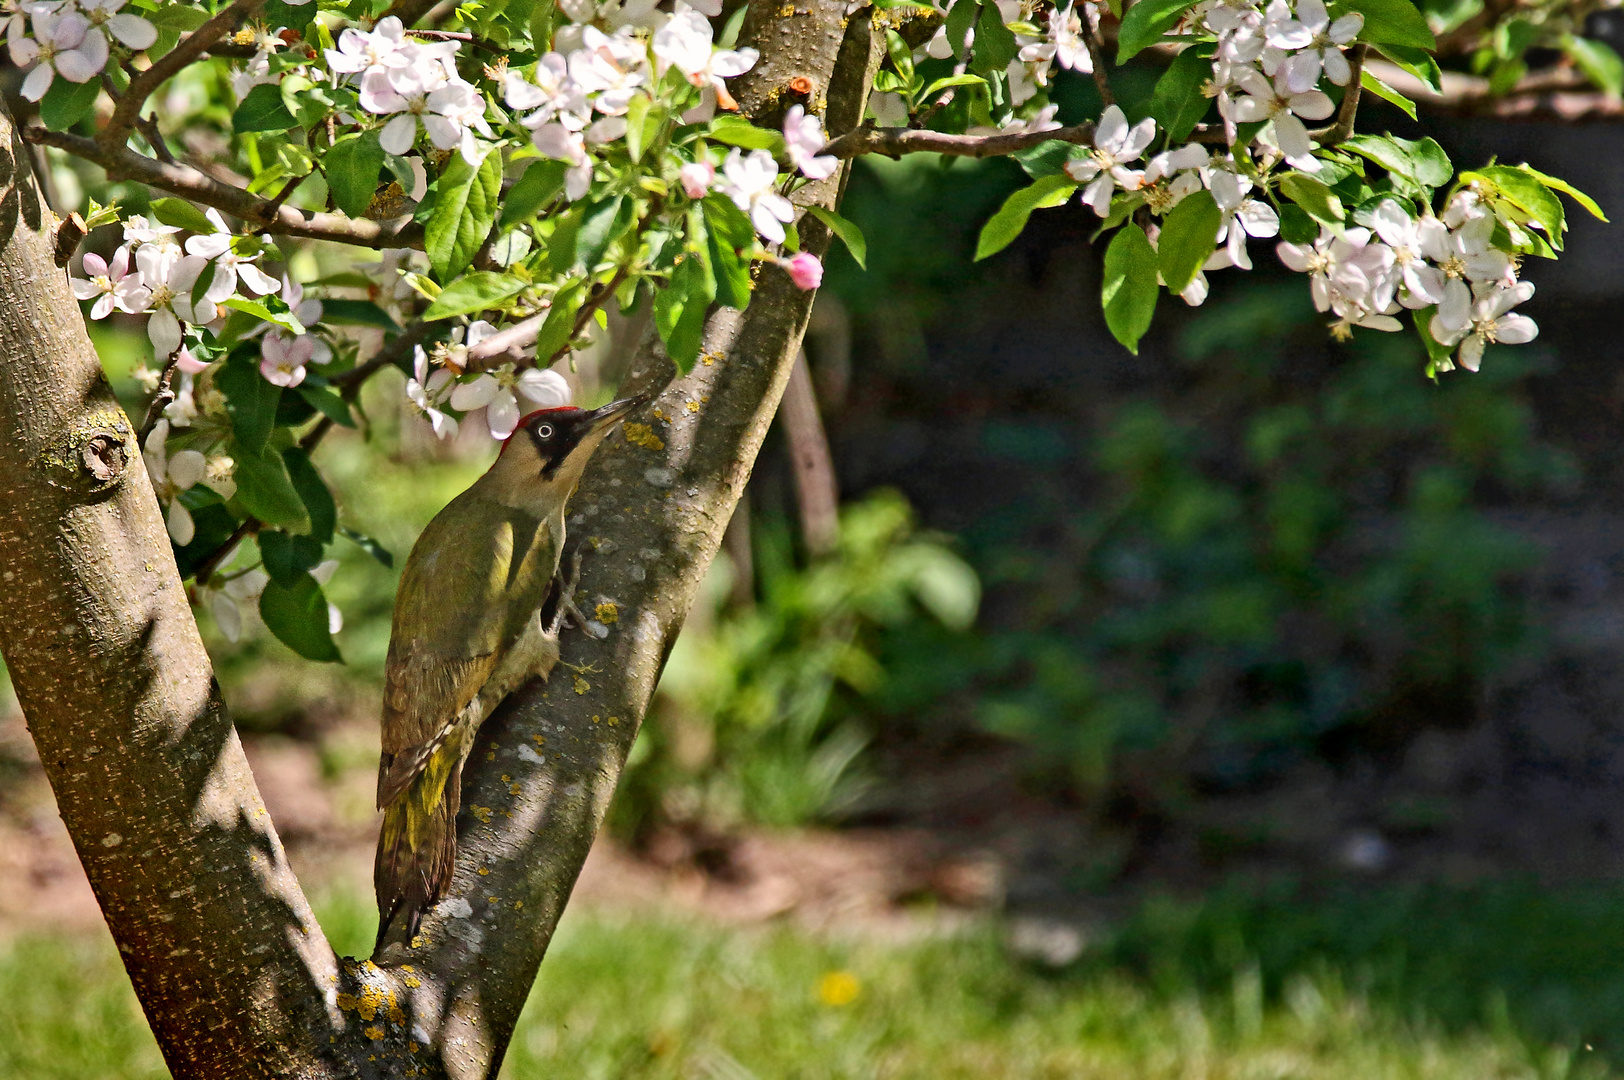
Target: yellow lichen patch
x=517, y=904
x=414, y=982
x=346, y=1002
x=539, y=740
x=642, y=435
x=494, y=899
x=659, y=414
x=506, y=779
x=581, y=685
x=483, y=813
x=786, y=11
x=607, y=612
x=484, y=871
x=395, y=1015
x=371, y=1000
x=373, y=1032
x=613, y=721
x=691, y=406
x=597, y=719
x=514, y=789
x=417, y=942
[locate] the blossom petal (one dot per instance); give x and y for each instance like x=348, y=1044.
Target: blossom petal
x=399, y=134
x=473, y=395
x=133, y=31
x=502, y=414
x=181, y=526
x=164, y=330
x=1516, y=330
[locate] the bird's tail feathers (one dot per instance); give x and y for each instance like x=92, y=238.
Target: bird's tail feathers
x=417, y=850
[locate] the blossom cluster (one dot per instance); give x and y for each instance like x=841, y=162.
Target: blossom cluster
x=1365, y=275
x=414, y=83
x=70, y=38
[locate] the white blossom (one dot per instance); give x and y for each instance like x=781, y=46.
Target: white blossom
x=803, y=134
x=229, y=267
x=170, y=276
x=1115, y=145
x=1314, y=42
x=684, y=42
x=111, y=284
x=751, y=182
x=1285, y=111
x=63, y=44
x=171, y=475
x=1486, y=319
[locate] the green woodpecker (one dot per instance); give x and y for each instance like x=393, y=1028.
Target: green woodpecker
x=467, y=632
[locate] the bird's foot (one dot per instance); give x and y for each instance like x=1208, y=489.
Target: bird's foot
x=566, y=598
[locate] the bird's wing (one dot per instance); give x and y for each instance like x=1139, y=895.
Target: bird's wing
x=475, y=575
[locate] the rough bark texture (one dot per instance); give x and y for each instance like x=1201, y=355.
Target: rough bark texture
x=225, y=955
x=226, y=958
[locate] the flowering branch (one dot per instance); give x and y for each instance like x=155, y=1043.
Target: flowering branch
x=122, y=163
x=894, y=142
x=166, y=66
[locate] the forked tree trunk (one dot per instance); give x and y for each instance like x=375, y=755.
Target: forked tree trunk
x=235, y=976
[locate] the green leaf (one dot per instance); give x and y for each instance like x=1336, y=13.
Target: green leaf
x=262, y=110
x=1384, y=151
x=1179, y=101
x=250, y=399
x=473, y=292
x=1004, y=226
x=849, y=234
x=1145, y=23
x=901, y=55
x=1389, y=22
x=540, y=183
x=298, y=618
x=679, y=310
x=601, y=225
x=1313, y=197
x=342, y=312
x=1598, y=61
x=1418, y=62
x=313, y=491
x=1526, y=194
x=949, y=83
x=1437, y=352
x=352, y=165
x=559, y=327
x=959, y=21
x=1129, y=292
x=66, y=103
x=1557, y=184
x=368, y=545
x=728, y=235
x=464, y=213
x=288, y=558
x=327, y=402
x=995, y=46
x=636, y=113
x=1048, y=158
x=737, y=131
x=265, y=490
x=176, y=17
x=1296, y=227
x=181, y=214
x=1432, y=166
x=285, y=319
x=1189, y=234
x=1375, y=86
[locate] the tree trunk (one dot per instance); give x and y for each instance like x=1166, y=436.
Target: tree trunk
x=817, y=493
x=235, y=976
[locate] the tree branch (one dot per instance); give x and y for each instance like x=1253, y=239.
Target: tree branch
x=168, y=65
x=894, y=142
x=1560, y=94
x=122, y=163
x=1349, y=111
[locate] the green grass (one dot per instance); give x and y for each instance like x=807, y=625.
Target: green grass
x=1497, y=982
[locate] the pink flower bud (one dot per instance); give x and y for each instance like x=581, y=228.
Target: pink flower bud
x=697, y=178
x=805, y=270
x=188, y=363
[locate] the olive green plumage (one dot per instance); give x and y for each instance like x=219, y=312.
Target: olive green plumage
x=467, y=632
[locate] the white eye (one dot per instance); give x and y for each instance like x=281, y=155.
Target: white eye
x=545, y=431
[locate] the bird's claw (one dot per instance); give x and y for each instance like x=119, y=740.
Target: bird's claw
x=566, y=598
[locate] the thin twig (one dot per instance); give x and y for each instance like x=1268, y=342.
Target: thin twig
x=148, y=127
x=894, y=142
x=161, y=398
x=1561, y=93
x=122, y=163
x=1097, y=56
x=1349, y=112
x=208, y=566
x=454, y=35
x=509, y=343
x=394, y=353
x=170, y=63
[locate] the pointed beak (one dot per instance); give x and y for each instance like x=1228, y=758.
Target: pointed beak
x=602, y=418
